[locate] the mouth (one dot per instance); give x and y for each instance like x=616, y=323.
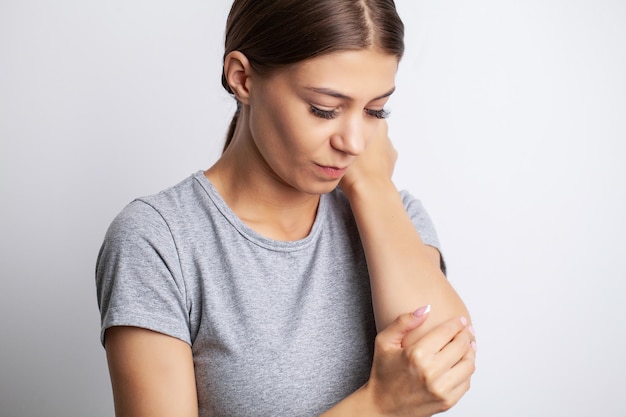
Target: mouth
x=332, y=172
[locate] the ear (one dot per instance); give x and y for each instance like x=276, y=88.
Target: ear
x=237, y=70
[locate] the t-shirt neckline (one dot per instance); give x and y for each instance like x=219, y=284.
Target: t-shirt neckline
x=252, y=235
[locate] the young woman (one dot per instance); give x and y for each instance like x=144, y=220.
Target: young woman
x=291, y=278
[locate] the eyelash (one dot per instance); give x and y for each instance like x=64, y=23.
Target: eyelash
x=379, y=114
x=324, y=114
x=331, y=114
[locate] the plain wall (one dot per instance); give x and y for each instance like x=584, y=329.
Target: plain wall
x=510, y=121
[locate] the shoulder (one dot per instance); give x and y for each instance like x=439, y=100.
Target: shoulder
x=183, y=195
x=337, y=202
x=338, y=207
x=337, y=214
x=420, y=218
x=139, y=279
x=152, y=213
x=148, y=221
x=412, y=204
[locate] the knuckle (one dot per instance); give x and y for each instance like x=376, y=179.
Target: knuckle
x=447, y=403
x=416, y=358
x=385, y=349
x=381, y=346
x=423, y=368
x=437, y=391
x=445, y=399
x=403, y=320
x=429, y=378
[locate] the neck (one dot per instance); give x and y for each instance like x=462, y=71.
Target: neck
x=261, y=200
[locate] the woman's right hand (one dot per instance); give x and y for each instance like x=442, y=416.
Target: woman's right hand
x=425, y=376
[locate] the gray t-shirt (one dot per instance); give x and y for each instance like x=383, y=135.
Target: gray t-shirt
x=276, y=328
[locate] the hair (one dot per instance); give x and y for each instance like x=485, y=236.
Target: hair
x=273, y=34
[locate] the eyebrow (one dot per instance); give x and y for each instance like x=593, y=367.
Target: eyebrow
x=333, y=93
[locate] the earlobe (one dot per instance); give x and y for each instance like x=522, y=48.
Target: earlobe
x=237, y=70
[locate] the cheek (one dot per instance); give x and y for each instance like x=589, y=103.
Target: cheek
x=275, y=135
x=285, y=127
x=266, y=127
x=372, y=130
x=298, y=131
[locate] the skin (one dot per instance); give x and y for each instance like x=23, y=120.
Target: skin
x=270, y=175
x=303, y=131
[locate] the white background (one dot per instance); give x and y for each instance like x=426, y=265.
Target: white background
x=510, y=119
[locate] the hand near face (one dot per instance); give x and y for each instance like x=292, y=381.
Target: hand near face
x=425, y=376
x=376, y=163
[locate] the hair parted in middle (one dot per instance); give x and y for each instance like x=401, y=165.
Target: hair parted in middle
x=276, y=33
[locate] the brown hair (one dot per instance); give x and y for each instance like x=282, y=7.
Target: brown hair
x=276, y=33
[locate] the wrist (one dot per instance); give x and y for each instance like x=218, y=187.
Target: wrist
x=368, y=403
x=359, y=403
x=355, y=190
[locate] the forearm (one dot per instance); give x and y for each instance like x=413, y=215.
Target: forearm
x=361, y=403
x=358, y=403
x=403, y=274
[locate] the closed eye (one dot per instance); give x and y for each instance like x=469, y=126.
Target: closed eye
x=379, y=114
x=331, y=114
x=324, y=114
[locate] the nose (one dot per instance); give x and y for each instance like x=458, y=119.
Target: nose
x=350, y=138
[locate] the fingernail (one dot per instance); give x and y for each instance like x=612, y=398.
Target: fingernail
x=473, y=344
x=422, y=311
x=472, y=331
x=464, y=321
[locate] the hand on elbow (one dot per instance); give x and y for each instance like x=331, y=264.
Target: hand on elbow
x=425, y=376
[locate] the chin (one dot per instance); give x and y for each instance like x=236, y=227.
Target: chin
x=320, y=188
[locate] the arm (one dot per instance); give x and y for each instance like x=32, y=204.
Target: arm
x=152, y=374
x=404, y=273
x=139, y=287
x=421, y=379
x=422, y=361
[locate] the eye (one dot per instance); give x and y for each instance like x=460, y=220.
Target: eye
x=324, y=114
x=379, y=114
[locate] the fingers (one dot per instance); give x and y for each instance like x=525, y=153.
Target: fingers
x=405, y=323
x=456, y=349
x=445, y=355
x=425, y=377
x=455, y=363
x=451, y=385
x=438, y=337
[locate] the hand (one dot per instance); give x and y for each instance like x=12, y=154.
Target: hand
x=376, y=163
x=425, y=376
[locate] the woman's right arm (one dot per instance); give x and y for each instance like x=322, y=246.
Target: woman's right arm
x=152, y=374
x=139, y=287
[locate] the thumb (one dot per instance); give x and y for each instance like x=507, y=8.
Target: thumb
x=394, y=333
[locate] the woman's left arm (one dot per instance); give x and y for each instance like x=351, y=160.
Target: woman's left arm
x=404, y=272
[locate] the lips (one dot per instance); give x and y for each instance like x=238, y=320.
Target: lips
x=332, y=172
x=333, y=167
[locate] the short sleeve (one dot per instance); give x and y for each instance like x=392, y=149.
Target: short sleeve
x=424, y=226
x=421, y=220
x=138, y=275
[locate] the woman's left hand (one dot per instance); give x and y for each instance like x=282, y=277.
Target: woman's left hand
x=375, y=164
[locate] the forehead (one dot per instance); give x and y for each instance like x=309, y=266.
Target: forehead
x=362, y=74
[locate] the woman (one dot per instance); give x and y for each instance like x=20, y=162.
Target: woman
x=287, y=279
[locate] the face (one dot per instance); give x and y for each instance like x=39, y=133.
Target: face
x=310, y=121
